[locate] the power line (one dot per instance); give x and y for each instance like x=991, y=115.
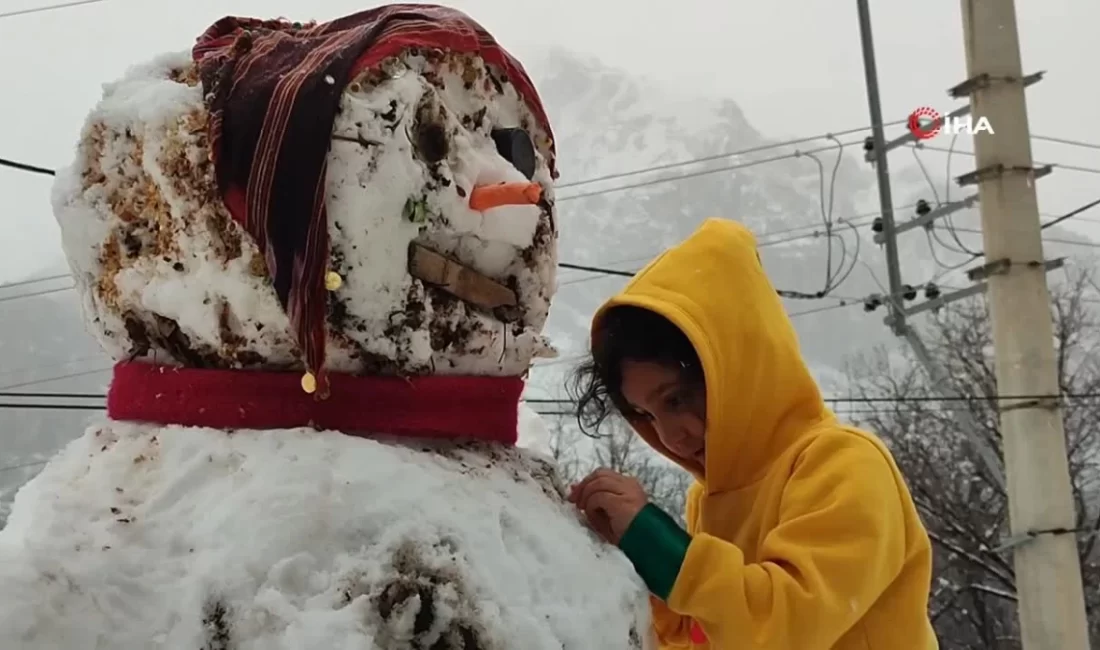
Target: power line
x=785, y=293
x=36, y=10
x=34, y=463
x=547, y=413
x=801, y=295
x=1070, y=141
x=685, y=163
x=34, y=294
x=1049, y=240
x=47, y=278
x=862, y=219
x=896, y=399
x=930, y=231
x=828, y=399
x=763, y=242
x=949, y=218
x=603, y=271
x=4, y=162
x=52, y=407
x=588, y=181
x=963, y=249
x=858, y=220
x=1070, y=214
x=704, y=172
x=47, y=380
x=1076, y=168
x=828, y=223
x=836, y=411
x=817, y=310
x=596, y=269
x=826, y=212
x=57, y=364
x=831, y=282
x=721, y=156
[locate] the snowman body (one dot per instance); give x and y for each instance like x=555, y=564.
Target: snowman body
x=141, y=536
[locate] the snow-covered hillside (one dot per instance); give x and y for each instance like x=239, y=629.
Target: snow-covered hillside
x=610, y=122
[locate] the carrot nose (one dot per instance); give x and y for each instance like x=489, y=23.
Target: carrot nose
x=487, y=197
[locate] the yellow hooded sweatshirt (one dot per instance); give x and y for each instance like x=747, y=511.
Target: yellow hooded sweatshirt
x=802, y=534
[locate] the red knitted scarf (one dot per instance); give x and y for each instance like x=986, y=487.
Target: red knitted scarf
x=479, y=408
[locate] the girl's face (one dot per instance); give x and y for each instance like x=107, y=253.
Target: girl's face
x=676, y=410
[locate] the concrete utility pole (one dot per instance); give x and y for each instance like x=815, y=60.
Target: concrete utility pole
x=1048, y=574
x=882, y=170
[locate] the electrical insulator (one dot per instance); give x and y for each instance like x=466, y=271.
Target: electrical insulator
x=869, y=144
x=923, y=208
x=876, y=225
x=871, y=303
x=931, y=291
x=909, y=292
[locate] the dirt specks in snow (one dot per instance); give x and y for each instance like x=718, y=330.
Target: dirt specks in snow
x=431, y=605
x=544, y=474
x=169, y=336
x=169, y=264
x=230, y=329
x=450, y=330
x=188, y=75
x=397, y=595
x=430, y=141
x=473, y=458
x=216, y=626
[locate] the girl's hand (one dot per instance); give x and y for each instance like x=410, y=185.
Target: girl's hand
x=609, y=501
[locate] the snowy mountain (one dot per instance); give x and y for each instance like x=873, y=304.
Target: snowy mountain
x=606, y=122
x=609, y=122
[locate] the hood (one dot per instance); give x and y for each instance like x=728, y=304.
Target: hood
x=760, y=395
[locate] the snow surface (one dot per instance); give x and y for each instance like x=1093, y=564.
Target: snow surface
x=169, y=538
x=164, y=272
x=533, y=434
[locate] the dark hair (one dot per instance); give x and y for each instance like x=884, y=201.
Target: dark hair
x=634, y=333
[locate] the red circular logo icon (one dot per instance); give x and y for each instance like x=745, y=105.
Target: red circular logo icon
x=925, y=122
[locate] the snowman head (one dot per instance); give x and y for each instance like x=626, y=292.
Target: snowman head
x=185, y=215
x=441, y=216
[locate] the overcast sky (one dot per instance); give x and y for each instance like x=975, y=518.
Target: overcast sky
x=794, y=66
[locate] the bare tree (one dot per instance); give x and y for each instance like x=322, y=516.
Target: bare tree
x=973, y=594
x=619, y=448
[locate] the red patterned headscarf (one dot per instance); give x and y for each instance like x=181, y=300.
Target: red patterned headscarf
x=273, y=88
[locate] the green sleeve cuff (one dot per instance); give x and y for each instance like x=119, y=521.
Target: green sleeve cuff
x=656, y=546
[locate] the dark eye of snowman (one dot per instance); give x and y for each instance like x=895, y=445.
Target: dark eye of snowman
x=514, y=145
x=431, y=141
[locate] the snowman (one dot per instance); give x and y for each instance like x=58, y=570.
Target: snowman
x=321, y=256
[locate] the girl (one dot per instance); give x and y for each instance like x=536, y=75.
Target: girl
x=801, y=532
